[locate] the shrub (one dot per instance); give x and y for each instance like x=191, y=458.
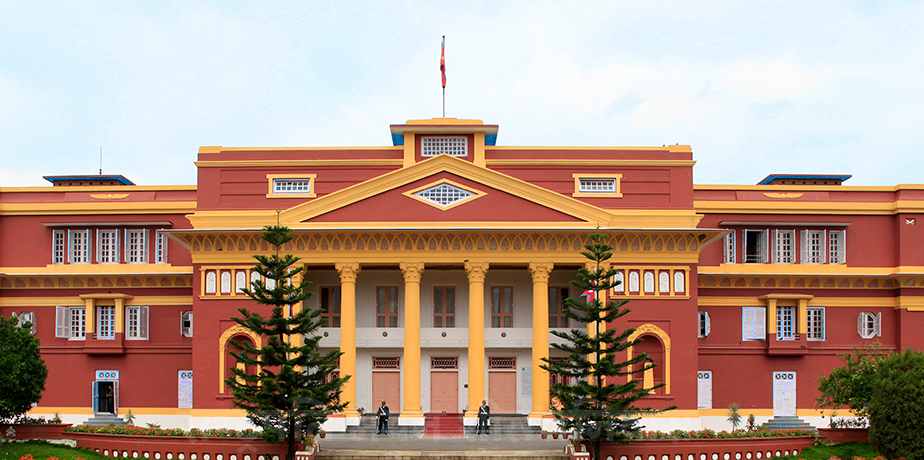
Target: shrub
x=896, y=409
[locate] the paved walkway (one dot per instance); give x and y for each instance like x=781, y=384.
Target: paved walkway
x=354, y=446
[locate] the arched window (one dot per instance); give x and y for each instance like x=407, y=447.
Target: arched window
x=655, y=348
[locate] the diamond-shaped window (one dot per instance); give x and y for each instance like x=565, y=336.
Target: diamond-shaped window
x=444, y=195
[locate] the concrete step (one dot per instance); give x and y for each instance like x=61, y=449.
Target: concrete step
x=367, y=426
x=787, y=423
x=104, y=420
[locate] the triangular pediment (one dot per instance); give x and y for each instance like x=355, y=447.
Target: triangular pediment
x=442, y=191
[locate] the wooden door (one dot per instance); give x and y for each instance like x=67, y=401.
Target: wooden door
x=386, y=386
x=502, y=392
x=444, y=392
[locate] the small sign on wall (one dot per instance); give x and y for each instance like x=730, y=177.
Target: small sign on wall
x=184, y=392
x=107, y=375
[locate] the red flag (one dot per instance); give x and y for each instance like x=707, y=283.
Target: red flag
x=589, y=294
x=443, y=60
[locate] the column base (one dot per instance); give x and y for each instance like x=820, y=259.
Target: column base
x=411, y=418
x=538, y=415
x=469, y=420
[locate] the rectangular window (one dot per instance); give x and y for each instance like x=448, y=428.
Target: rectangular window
x=705, y=324
x=59, y=247
x=105, y=322
x=71, y=323
x=786, y=323
x=837, y=246
x=815, y=323
x=136, y=323
x=330, y=306
x=160, y=250
x=597, y=185
x=502, y=307
x=784, y=249
x=107, y=246
x=186, y=324
x=136, y=246
x=755, y=246
x=299, y=185
x=79, y=242
x=386, y=307
x=432, y=146
x=753, y=323
x=730, y=248
x=557, y=296
x=813, y=246
x=26, y=318
x=444, y=307
x=869, y=325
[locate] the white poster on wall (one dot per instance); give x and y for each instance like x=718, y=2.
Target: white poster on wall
x=784, y=394
x=704, y=390
x=184, y=392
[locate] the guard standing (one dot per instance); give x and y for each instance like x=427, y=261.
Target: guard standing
x=484, y=416
x=382, y=415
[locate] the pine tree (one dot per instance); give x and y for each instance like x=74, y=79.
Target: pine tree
x=23, y=375
x=599, y=402
x=293, y=390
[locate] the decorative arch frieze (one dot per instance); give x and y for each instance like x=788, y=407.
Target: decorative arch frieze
x=810, y=282
x=95, y=281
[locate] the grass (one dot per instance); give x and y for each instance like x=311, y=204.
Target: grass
x=43, y=450
x=844, y=451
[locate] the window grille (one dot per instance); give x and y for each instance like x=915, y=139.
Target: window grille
x=26, y=317
x=107, y=246
x=160, y=251
x=136, y=246
x=813, y=246
x=291, y=185
x=432, y=146
x=502, y=363
x=730, y=248
x=444, y=194
x=705, y=324
x=815, y=323
x=597, y=185
x=106, y=321
x=783, y=252
x=785, y=323
x=59, y=244
x=386, y=363
x=869, y=325
x=136, y=322
x=444, y=363
x=837, y=246
x=80, y=246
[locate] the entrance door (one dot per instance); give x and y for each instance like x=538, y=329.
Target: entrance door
x=444, y=392
x=386, y=386
x=784, y=394
x=502, y=392
x=105, y=396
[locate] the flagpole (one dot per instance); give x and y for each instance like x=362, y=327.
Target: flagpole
x=443, y=62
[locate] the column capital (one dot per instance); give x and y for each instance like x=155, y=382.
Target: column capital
x=540, y=271
x=348, y=271
x=412, y=271
x=476, y=271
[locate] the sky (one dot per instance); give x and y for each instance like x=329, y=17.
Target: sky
x=755, y=87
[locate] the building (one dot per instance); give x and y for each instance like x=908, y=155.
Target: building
x=442, y=262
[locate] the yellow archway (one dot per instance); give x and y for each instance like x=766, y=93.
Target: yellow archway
x=666, y=340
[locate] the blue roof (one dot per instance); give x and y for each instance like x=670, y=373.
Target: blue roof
x=118, y=178
x=774, y=177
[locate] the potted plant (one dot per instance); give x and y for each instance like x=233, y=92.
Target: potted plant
x=565, y=435
x=545, y=434
x=322, y=433
x=554, y=435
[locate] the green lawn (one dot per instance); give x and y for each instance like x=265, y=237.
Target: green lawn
x=43, y=450
x=844, y=451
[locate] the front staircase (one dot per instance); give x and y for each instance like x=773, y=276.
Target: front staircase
x=508, y=425
x=105, y=420
x=443, y=426
x=787, y=423
x=367, y=426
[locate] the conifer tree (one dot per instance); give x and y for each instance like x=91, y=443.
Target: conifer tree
x=599, y=402
x=23, y=375
x=293, y=391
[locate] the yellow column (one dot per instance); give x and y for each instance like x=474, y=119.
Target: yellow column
x=540, y=273
x=412, y=272
x=297, y=340
x=803, y=317
x=348, y=272
x=120, y=316
x=476, y=273
x=771, y=317
x=90, y=325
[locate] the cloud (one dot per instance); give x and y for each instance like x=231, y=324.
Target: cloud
x=767, y=82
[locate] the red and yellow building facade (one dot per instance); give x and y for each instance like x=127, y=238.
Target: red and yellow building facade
x=442, y=261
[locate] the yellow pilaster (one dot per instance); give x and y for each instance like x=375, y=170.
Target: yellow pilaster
x=298, y=339
x=90, y=315
x=540, y=273
x=348, y=272
x=803, y=316
x=771, y=316
x=479, y=151
x=412, y=273
x=476, y=273
x=410, y=145
x=120, y=316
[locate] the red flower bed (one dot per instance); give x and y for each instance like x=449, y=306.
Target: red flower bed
x=767, y=447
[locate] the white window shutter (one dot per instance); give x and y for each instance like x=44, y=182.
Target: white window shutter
x=61, y=322
x=143, y=322
x=760, y=322
x=775, y=236
x=824, y=246
x=765, y=246
x=860, y=324
x=878, y=325
x=730, y=248
x=708, y=322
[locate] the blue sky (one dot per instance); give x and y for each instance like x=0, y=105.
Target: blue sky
x=755, y=87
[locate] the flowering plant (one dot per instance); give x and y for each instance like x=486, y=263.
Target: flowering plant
x=710, y=434
x=158, y=431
